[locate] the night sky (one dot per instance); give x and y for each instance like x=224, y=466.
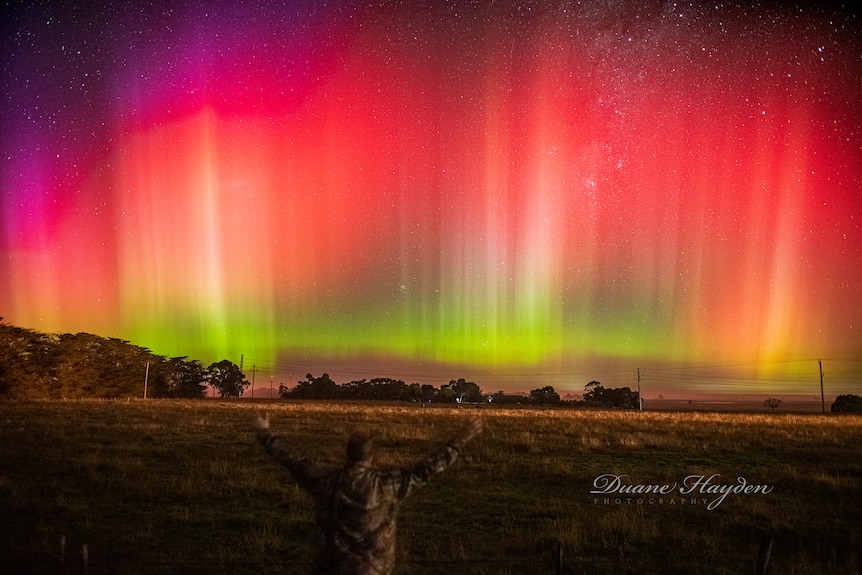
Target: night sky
x=517, y=193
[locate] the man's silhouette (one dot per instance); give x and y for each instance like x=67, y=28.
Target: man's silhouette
x=357, y=503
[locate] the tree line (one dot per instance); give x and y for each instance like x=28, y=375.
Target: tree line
x=384, y=389
x=35, y=365
x=456, y=391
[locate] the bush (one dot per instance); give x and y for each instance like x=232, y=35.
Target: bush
x=847, y=404
x=622, y=398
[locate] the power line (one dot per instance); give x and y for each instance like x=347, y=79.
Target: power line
x=729, y=377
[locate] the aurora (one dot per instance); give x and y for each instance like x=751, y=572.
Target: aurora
x=514, y=192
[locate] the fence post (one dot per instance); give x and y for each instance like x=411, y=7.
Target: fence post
x=559, y=558
x=764, y=554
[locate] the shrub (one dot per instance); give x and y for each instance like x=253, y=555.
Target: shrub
x=847, y=404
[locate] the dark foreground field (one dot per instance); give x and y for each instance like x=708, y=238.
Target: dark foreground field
x=182, y=487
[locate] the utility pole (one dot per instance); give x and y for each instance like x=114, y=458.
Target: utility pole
x=640, y=397
x=252, y=380
x=822, y=397
x=146, y=379
x=241, y=357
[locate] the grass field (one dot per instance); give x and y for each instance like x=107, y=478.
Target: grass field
x=182, y=487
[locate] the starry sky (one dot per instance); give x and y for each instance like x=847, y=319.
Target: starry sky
x=520, y=193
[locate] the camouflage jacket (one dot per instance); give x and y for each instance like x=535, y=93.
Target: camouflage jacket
x=356, y=505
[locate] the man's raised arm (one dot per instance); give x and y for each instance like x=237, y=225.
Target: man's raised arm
x=470, y=432
x=422, y=471
x=300, y=466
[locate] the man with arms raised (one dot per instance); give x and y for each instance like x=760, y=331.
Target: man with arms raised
x=357, y=503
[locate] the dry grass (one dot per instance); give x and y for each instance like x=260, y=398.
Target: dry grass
x=181, y=486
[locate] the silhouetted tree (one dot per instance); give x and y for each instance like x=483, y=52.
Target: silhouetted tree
x=847, y=404
x=502, y=398
x=466, y=390
x=772, y=402
x=445, y=395
x=187, y=378
x=428, y=392
x=226, y=377
x=157, y=383
x=623, y=397
x=413, y=392
x=37, y=365
x=546, y=396
x=322, y=387
x=379, y=388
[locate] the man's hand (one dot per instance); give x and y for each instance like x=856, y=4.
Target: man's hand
x=472, y=430
x=259, y=421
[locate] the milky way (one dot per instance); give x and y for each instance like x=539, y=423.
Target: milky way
x=515, y=192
